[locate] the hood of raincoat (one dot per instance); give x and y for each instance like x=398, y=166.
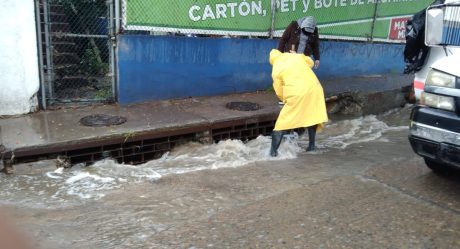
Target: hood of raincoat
x=275, y=54
x=308, y=23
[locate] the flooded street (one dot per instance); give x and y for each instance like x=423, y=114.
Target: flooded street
x=362, y=188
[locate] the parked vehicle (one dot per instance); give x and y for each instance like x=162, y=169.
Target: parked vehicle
x=435, y=121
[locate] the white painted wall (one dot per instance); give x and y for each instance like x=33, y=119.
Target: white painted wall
x=19, y=78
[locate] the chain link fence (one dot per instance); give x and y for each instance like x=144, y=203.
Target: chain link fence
x=253, y=18
x=76, y=51
x=362, y=20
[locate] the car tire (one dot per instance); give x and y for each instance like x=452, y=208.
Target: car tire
x=437, y=167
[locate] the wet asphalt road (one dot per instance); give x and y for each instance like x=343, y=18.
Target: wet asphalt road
x=375, y=194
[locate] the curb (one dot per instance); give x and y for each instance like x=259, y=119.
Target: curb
x=145, y=145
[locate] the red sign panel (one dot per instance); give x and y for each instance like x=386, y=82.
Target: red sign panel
x=398, y=28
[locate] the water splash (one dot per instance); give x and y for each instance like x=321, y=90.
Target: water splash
x=64, y=186
x=225, y=154
x=68, y=186
x=342, y=134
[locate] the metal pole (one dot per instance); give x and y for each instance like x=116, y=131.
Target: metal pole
x=49, y=64
x=40, y=52
x=272, y=28
x=373, y=21
x=112, y=43
x=117, y=17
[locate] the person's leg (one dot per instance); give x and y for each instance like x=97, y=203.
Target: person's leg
x=311, y=137
x=277, y=137
x=300, y=131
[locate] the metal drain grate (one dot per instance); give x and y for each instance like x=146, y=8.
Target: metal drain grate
x=243, y=106
x=98, y=120
x=142, y=147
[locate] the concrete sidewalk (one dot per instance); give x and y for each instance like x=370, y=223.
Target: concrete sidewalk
x=62, y=126
x=56, y=131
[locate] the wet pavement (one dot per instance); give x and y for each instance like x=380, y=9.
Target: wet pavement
x=362, y=188
x=48, y=130
x=63, y=127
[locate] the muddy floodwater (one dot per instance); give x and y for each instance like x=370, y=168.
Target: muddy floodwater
x=63, y=187
x=230, y=195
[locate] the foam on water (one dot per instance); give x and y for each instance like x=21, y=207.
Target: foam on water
x=225, y=154
x=64, y=186
x=67, y=186
x=342, y=134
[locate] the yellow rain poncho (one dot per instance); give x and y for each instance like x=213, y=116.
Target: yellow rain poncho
x=298, y=88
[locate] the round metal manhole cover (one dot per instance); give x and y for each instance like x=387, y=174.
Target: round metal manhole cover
x=98, y=120
x=243, y=106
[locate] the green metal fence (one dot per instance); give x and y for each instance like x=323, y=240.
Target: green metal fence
x=365, y=20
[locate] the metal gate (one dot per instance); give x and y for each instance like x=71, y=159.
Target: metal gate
x=77, y=51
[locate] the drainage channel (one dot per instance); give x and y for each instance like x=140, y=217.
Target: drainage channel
x=140, y=147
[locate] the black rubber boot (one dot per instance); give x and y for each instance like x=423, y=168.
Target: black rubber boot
x=311, y=137
x=277, y=136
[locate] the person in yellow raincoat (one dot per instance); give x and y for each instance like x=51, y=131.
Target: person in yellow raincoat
x=297, y=86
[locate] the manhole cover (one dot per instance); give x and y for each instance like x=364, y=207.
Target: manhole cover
x=243, y=106
x=102, y=120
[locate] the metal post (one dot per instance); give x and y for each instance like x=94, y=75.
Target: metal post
x=373, y=21
x=49, y=50
x=112, y=43
x=41, y=71
x=272, y=28
x=117, y=17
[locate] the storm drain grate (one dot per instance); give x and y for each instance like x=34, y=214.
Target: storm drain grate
x=132, y=150
x=140, y=148
x=246, y=130
x=98, y=120
x=243, y=106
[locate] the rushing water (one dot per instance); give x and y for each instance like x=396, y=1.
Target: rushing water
x=61, y=187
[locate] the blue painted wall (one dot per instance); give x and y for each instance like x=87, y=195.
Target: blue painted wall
x=166, y=67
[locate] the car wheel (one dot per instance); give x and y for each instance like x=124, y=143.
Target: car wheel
x=437, y=167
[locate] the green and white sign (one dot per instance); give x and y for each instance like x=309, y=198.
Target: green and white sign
x=381, y=20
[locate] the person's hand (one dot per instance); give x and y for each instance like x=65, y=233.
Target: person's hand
x=316, y=64
x=292, y=52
